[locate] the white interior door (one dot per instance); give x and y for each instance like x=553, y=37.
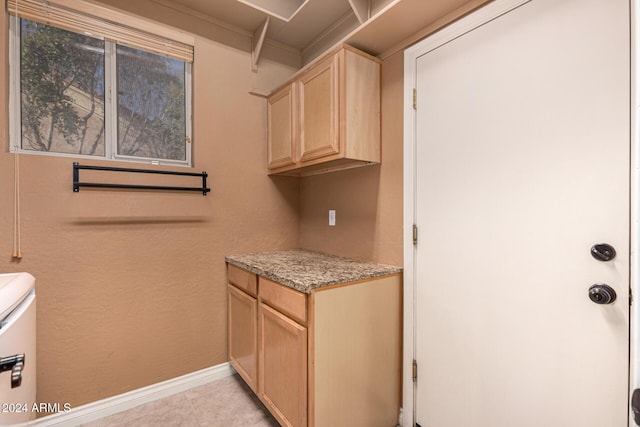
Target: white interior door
x=522, y=165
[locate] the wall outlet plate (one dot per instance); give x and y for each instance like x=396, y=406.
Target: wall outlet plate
x=332, y=217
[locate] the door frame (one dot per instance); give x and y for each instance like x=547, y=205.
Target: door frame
x=634, y=223
x=470, y=22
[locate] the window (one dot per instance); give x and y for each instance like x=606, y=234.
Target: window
x=151, y=105
x=83, y=94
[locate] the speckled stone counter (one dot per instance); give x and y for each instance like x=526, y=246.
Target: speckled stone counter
x=305, y=270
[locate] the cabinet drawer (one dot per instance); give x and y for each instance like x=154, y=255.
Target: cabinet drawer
x=286, y=300
x=243, y=279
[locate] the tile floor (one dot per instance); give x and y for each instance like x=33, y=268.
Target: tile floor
x=226, y=403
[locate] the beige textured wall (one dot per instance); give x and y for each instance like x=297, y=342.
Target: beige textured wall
x=131, y=285
x=367, y=200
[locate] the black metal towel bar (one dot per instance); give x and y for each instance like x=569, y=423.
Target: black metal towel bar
x=77, y=184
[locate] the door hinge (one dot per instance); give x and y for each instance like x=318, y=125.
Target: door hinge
x=414, y=375
x=415, y=99
x=630, y=297
x=415, y=235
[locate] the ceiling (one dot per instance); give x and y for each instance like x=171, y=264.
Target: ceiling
x=312, y=20
x=378, y=27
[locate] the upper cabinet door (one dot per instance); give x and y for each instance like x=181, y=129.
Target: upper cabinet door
x=319, y=111
x=280, y=111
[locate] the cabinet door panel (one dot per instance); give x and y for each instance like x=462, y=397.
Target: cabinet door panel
x=283, y=367
x=280, y=110
x=319, y=111
x=243, y=335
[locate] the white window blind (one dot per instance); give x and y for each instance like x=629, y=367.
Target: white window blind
x=97, y=21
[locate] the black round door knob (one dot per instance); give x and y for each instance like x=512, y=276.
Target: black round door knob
x=602, y=294
x=603, y=252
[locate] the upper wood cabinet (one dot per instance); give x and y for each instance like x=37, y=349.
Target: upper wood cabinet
x=327, y=117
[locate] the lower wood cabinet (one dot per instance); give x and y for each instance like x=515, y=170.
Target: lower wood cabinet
x=330, y=358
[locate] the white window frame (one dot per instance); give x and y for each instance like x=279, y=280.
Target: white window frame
x=110, y=108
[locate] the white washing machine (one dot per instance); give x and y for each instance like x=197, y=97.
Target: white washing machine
x=17, y=348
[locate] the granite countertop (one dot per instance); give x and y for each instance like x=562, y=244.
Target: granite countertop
x=306, y=270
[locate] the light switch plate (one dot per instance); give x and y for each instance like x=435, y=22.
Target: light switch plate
x=332, y=217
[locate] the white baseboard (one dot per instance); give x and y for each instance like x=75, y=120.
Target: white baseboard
x=112, y=405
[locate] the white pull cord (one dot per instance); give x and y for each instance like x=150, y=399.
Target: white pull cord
x=16, y=254
x=16, y=208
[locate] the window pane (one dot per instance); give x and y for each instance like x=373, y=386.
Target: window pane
x=62, y=90
x=151, y=105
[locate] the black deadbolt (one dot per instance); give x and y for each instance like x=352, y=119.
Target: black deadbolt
x=603, y=252
x=602, y=294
